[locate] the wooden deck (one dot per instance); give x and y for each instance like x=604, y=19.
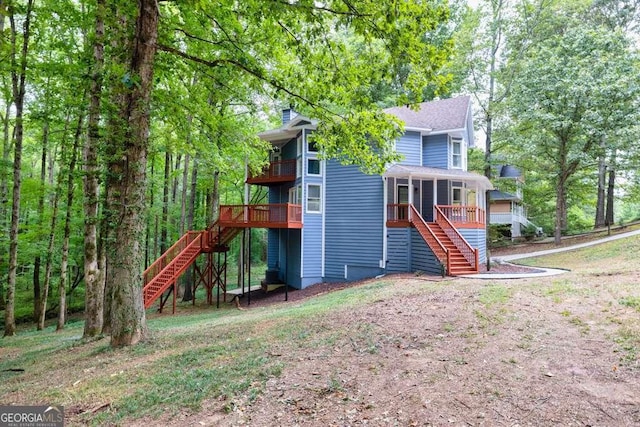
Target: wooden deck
x=276, y=173
x=398, y=216
x=284, y=215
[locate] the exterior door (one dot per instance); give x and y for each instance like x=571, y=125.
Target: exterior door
x=403, y=199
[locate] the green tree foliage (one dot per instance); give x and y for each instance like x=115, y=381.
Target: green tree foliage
x=572, y=89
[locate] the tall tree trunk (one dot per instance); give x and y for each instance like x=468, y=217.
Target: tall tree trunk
x=150, y=237
x=18, y=80
x=183, y=195
x=600, y=202
x=42, y=307
x=188, y=289
x=4, y=202
x=128, y=321
x=42, y=313
x=610, y=192
x=214, y=199
x=94, y=287
x=602, y=174
x=165, y=202
x=174, y=185
x=64, y=263
x=183, y=211
x=37, y=299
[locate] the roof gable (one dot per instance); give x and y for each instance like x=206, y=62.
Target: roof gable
x=440, y=115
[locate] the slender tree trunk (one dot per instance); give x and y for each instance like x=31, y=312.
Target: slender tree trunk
x=37, y=298
x=183, y=211
x=165, y=202
x=561, y=182
x=128, y=321
x=42, y=307
x=64, y=263
x=183, y=195
x=188, y=289
x=42, y=313
x=215, y=198
x=174, y=185
x=610, y=193
x=18, y=77
x=94, y=287
x=600, y=203
x=602, y=174
x=150, y=237
x=4, y=178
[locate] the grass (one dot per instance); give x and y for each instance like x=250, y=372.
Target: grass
x=220, y=355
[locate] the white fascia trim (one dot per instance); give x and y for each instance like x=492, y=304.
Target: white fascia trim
x=448, y=131
x=423, y=131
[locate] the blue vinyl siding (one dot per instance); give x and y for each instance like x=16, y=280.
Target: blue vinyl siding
x=312, y=249
x=291, y=257
x=477, y=237
x=435, y=151
x=354, y=218
x=427, y=201
x=273, y=248
x=422, y=257
x=409, y=146
x=289, y=151
x=443, y=192
x=398, y=250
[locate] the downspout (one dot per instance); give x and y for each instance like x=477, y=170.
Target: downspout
x=385, y=195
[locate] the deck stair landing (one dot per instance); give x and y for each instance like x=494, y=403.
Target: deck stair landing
x=451, y=249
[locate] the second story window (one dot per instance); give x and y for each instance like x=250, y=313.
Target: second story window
x=456, y=153
x=314, y=199
x=313, y=167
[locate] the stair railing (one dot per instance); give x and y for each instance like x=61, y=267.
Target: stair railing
x=191, y=239
x=163, y=261
x=468, y=251
x=439, y=250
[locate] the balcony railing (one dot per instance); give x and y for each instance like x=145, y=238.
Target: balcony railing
x=460, y=216
x=464, y=216
x=275, y=173
x=283, y=215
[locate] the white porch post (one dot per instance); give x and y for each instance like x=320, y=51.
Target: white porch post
x=435, y=196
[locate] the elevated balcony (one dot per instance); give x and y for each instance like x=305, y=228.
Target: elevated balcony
x=283, y=215
x=276, y=173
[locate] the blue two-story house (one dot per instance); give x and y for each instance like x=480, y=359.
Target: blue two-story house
x=335, y=223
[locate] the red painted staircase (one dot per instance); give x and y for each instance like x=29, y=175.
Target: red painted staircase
x=448, y=245
x=166, y=270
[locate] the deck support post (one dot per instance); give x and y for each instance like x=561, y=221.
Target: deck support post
x=248, y=261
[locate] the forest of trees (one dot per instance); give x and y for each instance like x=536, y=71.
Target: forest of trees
x=125, y=123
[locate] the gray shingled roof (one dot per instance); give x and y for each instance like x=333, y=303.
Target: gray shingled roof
x=444, y=114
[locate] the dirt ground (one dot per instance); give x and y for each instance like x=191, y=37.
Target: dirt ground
x=527, y=352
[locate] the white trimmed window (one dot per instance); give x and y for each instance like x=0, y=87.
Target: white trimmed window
x=314, y=167
x=312, y=147
x=456, y=196
x=295, y=195
x=314, y=198
x=456, y=153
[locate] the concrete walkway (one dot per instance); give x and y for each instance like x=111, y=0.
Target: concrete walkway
x=545, y=271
